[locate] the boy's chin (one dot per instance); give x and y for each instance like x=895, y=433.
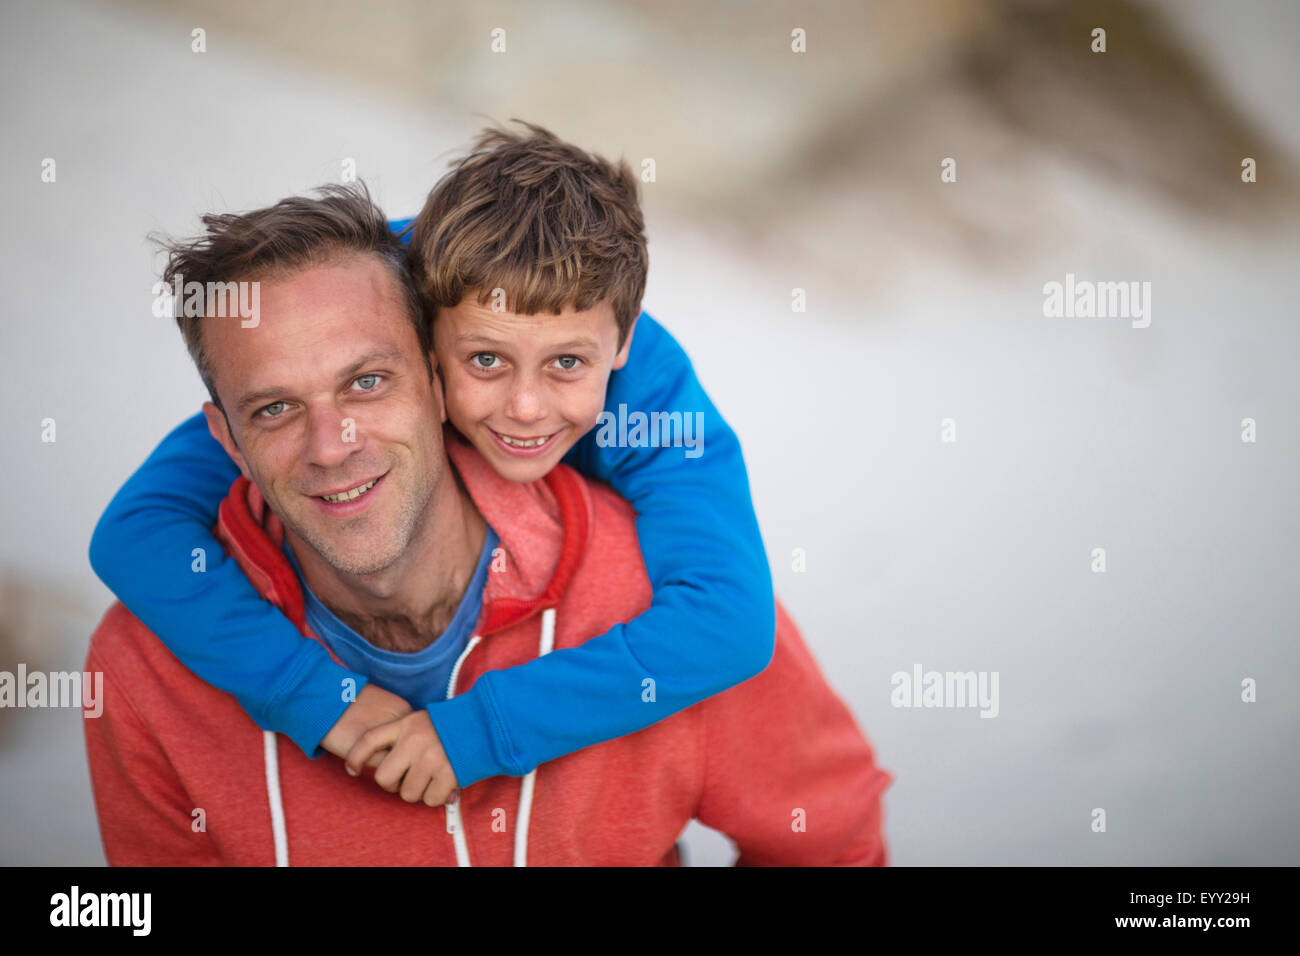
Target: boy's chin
x=522, y=470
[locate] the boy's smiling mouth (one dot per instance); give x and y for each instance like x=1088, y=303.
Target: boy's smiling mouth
x=522, y=445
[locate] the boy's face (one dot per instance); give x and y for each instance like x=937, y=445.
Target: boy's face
x=524, y=388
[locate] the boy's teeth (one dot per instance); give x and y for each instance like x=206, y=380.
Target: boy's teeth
x=531, y=443
x=349, y=495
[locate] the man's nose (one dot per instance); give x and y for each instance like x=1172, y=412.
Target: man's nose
x=331, y=437
x=527, y=401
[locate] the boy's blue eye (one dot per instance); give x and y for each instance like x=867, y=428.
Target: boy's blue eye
x=568, y=362
x=484, y=359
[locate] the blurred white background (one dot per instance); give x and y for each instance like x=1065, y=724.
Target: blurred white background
x=777, y=170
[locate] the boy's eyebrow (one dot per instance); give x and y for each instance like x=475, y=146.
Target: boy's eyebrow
x=478, y=338
x=370, y=358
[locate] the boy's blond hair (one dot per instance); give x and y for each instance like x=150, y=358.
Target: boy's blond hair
x=551, y=225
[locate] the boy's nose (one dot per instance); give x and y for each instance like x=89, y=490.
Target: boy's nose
x=525, y=405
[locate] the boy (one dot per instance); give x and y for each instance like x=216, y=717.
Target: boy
x=532, y=223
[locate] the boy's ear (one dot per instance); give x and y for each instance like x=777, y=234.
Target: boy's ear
x=219, y=427
x=621, y=358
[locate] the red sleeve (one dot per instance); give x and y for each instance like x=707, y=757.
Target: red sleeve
x=788, y=775
x=144, y=813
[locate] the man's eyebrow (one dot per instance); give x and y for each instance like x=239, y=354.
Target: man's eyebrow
x=371, y=358
x=252, y=398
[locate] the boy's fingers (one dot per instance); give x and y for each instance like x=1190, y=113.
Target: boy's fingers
x=435, y=794
x=369, y=744
x=414, y=784
x=429, y=776
x=437, y=774
x=392, y=770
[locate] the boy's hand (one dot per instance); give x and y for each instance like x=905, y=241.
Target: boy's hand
x=373, y=707
x=415, y=761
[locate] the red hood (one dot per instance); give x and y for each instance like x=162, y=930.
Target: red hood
x=543, y=529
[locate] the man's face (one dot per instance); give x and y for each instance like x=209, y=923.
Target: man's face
x=331, y=410
x=524, y=388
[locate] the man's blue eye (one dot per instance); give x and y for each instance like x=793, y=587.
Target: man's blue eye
x=368, y=382
x=568, y=362
x=485, y=359
x=273, y=410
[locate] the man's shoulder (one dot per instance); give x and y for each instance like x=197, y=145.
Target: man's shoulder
x=123, y=646
x=611, y=579
x=117, y=630
x=612, y=519
x=605, y=501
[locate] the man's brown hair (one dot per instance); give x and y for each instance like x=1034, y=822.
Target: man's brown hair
x=526, y=212
x=293, y=234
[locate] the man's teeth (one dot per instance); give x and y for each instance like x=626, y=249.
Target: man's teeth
x=530, y=443
x=349, y=495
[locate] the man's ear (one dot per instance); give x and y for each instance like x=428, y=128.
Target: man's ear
x=220, y=429
x=621, y=358
x=439, y=391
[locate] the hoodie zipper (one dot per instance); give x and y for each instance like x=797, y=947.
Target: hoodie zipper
x=454, y=825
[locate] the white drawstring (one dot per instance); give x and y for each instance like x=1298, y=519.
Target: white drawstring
x=455, y=668
x=530, y=780
x=452, y=810
x=281, y=835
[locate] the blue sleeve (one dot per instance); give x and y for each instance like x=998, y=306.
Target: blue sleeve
x=213, y=620
x=712, y=623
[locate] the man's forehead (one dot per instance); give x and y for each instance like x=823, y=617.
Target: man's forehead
x=317, y=323
x=352, y=276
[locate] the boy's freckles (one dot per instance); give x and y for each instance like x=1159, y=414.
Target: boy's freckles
x=524, y=388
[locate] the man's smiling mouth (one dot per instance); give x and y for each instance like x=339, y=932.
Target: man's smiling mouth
x=349, y=495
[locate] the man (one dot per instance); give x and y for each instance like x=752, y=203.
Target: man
x=357, y=515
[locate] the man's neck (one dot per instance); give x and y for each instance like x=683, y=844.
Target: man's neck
x=408, y=605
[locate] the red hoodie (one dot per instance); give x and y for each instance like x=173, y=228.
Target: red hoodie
x=182, y=776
